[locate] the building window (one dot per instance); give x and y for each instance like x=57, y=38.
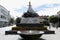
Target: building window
x=3, y=17
x=3, y=11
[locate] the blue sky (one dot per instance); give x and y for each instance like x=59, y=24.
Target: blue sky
x=42, y=7
x=39, y=8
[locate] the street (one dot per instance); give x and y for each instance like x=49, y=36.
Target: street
x=17, y=37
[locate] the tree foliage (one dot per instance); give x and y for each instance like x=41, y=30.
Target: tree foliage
x=11, y=21
x=18, y=19
x=53, y=19
x=45, y=22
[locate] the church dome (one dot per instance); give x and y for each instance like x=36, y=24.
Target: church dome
x=30, y=12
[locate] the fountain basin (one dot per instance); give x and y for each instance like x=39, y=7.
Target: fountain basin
x=30, y=35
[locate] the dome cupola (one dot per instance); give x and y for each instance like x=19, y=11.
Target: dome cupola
x=30, y=12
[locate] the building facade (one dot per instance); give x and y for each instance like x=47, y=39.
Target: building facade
x=4, y=16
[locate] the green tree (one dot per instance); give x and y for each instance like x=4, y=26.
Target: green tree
x=11, y=21
x=45, y=22
x=18, y=19
x=53, y=19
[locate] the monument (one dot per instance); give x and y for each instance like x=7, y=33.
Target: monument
x=30, y=19
x=29, y=27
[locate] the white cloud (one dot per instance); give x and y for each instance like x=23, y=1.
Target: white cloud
x=12, y=4
x=49, y=11
x=19, y=3
x=15, y=14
